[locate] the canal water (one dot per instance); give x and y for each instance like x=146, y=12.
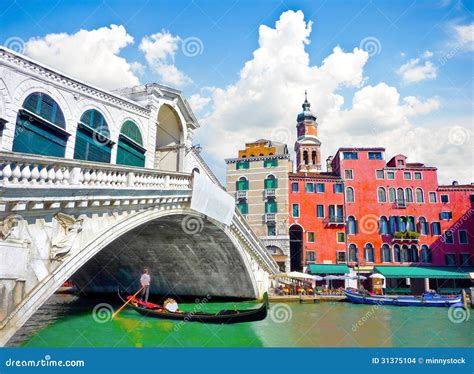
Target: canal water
x=67, y=321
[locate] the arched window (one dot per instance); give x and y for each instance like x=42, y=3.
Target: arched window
x=242, y=184
x=425, y=254
x=40, y=127
x=351, y=225
x=369, y=253
x=271, y=182
x=424, y=226
x=350, y=198
x=394, y=224
x=383, y=226
x=305, y=157
x=419, y=196
x=385, y=253
x=353, y=253
x=382, y=195
x=313, y=157
x=402, y=224
x=391, y=194
x=396, y=253
x=130, y=149
x=409, y=195
x=400, y=195
x=93, y=138
x=413, y=253
x=411, y=224
x=405, y=257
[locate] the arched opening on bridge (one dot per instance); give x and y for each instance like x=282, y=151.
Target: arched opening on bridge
x=40, y=127
x=296, y=248
x=130, y=150
x=93, y=138
x=169, y=137
x=185, y=255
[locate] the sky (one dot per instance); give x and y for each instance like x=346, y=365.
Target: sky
x=397, y=74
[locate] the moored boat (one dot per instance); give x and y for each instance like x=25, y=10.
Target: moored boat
x=427, y=299
x=221, y=317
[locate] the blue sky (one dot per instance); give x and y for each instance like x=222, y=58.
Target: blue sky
x=432, y=39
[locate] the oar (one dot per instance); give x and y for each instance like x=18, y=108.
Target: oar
x=124, y=305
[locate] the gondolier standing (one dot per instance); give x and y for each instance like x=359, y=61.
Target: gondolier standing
x=145, y=283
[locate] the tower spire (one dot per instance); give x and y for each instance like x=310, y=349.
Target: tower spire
x=306, y=105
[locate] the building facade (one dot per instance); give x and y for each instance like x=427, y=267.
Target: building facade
x=258, y=179
x=364, y=211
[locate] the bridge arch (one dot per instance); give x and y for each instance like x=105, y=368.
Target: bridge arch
x=241, y=268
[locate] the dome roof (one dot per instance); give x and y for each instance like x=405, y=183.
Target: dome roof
x=307, y=113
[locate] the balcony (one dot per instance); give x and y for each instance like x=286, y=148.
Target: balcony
x=270, y=217
x=406, y=237
x=400, y=203
x=241, y=195
x=270, y=193
x=334, y=221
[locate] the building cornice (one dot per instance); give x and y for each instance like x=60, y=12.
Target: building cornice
x=16, y=60
x=259, y=158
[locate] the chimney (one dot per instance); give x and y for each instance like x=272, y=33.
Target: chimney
x=329, y=164
x=455, y=183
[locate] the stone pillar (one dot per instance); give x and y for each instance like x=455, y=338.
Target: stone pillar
x=427, y=284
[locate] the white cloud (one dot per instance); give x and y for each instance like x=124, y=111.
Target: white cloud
x=416, y=71
x=264, y=102
x=90, y=55
x=427, y=54
x=465, y=36
x=160, y=51
x=198, y=102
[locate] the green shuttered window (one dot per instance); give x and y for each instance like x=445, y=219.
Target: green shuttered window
x=130, y=149
x=93, y=138
x=40, y=127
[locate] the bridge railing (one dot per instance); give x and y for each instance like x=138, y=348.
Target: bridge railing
x=33, y=171
x=255, y=242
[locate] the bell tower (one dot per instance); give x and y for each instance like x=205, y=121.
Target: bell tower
x=307, y=146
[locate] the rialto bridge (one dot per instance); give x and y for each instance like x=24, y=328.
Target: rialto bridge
x=97, y=185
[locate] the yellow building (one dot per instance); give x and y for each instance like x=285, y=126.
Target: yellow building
x=258, y=179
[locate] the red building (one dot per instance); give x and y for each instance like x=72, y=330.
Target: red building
x=367, y=210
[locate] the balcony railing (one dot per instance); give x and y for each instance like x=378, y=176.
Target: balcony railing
x=33, y=171
x=334, y=221
x=406, y=237
x=241, y=195
x=270, y=192
x=400, y=203
x=270, y=217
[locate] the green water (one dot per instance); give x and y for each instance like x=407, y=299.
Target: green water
x=325, y=324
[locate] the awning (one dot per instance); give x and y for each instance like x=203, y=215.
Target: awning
x=435, y=272
x=328, y=269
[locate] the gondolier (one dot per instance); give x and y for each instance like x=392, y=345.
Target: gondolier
x=145, y=283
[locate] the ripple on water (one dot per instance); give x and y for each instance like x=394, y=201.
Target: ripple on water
x=67, y=321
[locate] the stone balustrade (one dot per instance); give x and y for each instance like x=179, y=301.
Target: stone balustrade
x=32, y=171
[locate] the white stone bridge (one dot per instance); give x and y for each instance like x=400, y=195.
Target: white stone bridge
x=101, y=224
x=96, y=185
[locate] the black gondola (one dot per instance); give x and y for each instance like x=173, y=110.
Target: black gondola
x=221, y=317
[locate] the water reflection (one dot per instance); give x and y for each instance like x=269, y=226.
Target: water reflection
x=69, y=323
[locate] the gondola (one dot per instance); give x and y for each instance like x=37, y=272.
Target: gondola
x=427, y=299
x=221, y=317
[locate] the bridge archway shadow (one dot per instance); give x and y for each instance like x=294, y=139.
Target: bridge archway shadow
x=185, y=255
